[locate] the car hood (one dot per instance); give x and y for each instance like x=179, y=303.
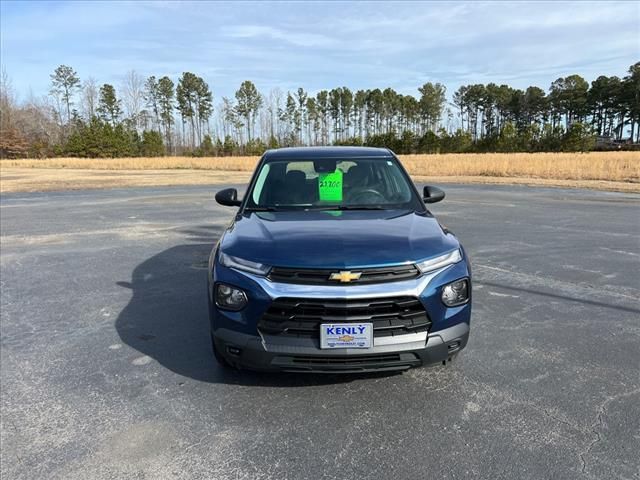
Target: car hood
x=336, y=239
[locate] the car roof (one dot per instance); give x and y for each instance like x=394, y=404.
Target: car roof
x=311, y=153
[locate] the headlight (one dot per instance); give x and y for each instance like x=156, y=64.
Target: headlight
x=242, y=264
x=456, y=293
x=441, y=261
x=230, y=298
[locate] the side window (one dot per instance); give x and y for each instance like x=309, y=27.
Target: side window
x=262, y=177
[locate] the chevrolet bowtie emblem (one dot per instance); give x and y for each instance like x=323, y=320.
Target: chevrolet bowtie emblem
x=345, y=277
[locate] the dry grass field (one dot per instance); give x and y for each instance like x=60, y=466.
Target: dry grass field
x=601, y=170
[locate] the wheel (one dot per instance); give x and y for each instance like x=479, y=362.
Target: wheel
x=223, y=362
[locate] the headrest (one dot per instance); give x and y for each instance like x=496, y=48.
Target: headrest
x=356, y=174
x=295, y=176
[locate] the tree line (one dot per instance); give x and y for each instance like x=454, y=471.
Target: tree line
x=157, y=116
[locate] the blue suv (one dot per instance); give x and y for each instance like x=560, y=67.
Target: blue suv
x=334, y=264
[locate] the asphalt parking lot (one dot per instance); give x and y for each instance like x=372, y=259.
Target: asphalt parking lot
x=106, y=368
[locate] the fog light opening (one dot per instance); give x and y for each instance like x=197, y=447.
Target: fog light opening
x=235, y=351
x=453, y=346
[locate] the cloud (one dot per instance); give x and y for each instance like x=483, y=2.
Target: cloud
x=300, y=39
x=321, y=45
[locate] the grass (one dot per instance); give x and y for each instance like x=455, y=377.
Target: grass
x=609, y=166
x=601, y=170
x=612, y=166
x=243, y=164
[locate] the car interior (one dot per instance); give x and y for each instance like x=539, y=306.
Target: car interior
x=296, y=183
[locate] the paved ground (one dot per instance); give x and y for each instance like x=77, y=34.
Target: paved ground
x=106, y=370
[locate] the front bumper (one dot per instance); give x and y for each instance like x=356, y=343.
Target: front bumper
x=257, y=353
x=238, y=340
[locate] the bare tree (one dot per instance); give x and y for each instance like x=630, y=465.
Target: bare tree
x=36, y=122
x=28, y=127
x=7, y=101
x=274, y=104
x=133, y=96
x=232, y=119
x=12, y=142
x=89, y=97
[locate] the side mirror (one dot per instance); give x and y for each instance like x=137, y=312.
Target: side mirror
x=432, y=194
x=228, y=197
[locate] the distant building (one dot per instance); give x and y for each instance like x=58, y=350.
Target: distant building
x=604, y=141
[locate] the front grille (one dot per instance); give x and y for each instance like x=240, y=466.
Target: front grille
x=321, y=276
x=298, y=317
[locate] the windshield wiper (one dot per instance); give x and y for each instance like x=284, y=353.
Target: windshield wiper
x=360, y=207
x=345, y=207
x=277, y=208
x=260, y=209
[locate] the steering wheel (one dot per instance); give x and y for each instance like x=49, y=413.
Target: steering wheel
x=368, y=196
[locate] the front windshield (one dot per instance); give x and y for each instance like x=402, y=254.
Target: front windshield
x=332, y=184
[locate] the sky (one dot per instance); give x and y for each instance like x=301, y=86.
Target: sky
x=319, y=45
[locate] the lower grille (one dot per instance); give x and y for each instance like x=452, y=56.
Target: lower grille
x=298, y=317
x=348, y=363
x=362, y=360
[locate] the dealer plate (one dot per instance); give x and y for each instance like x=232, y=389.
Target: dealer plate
x=346, y=335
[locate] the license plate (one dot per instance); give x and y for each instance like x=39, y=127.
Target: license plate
x=346, y=335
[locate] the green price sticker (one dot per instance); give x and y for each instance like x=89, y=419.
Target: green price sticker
x=330, y=186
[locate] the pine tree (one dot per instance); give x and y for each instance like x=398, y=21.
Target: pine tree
x=108, y=104
x=64, y=83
